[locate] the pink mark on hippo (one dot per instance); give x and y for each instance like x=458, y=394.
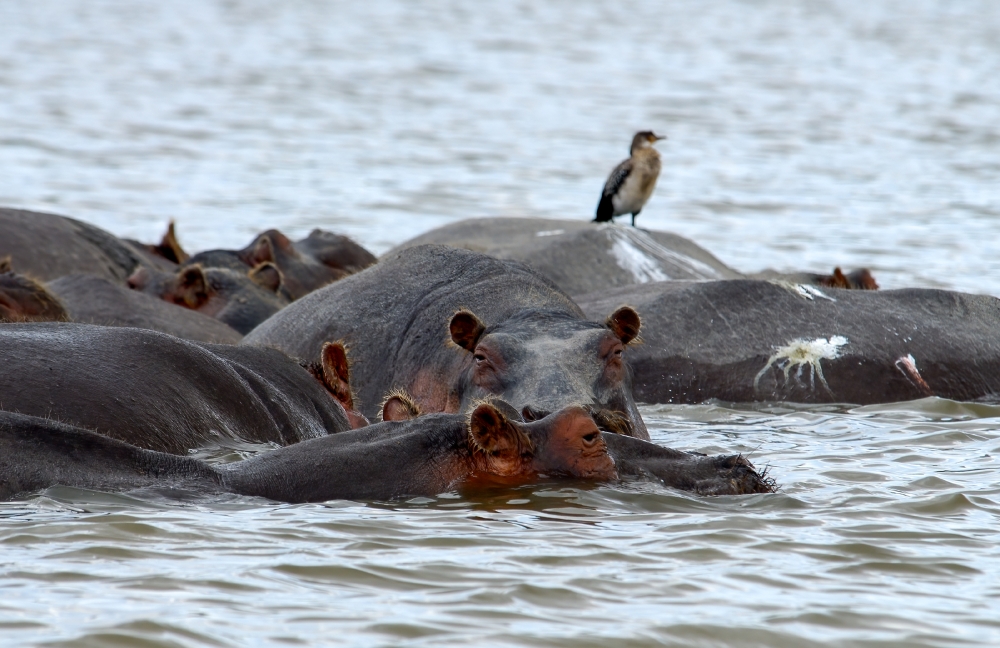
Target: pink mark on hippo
x=908, y=366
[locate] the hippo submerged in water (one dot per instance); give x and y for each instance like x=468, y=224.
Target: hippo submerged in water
x=746, y=340
x=425, y=456
x=244, y=287
x=163, y=393
x=451, y=326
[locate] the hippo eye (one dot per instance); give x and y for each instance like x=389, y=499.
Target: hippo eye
x=591, y=439
x=479, y=358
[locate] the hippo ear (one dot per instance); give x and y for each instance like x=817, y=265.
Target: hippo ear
x=169, y=247
x=466, y=329
x=337, y=373
x=262, y=251
x=191, y=288
x=399, y=406
x=266, y=275
x=624, y=323
x=6, y=265
x=494, y=434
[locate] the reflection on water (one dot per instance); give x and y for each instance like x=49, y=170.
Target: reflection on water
x=884, y=533
x=802, y=136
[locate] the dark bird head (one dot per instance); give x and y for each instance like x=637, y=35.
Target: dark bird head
x=643, y=139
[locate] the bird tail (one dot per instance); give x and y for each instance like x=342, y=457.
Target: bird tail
x=605, y=211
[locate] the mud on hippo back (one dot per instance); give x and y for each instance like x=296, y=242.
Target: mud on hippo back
x=451, y=326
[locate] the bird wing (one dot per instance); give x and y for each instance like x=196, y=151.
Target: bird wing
x=617, y=178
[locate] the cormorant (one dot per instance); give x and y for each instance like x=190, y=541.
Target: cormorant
x=631, y=183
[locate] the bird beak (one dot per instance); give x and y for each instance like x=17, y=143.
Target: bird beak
x=657, y=138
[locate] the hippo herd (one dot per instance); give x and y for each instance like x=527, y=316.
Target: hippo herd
x=487, y=352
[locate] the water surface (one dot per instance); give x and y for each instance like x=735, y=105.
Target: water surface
x=803, y=135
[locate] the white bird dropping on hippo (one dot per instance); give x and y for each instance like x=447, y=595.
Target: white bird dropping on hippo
x=632, y=182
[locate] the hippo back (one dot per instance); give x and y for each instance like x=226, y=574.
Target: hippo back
x=159, y=392
x=394, y=316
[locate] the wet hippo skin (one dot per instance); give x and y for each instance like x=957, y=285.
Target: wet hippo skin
x=389, y=460
x=746, y=340
x=160, y=392
x=580, y=256
x=450, y=326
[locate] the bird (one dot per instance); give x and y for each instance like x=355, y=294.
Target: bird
x=631, y=183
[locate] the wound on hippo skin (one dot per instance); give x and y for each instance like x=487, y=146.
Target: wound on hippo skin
x=466, y=329
x=192, y=288
x=625, y=323
x=268, y=276
x=399, y=406
x=492, y=433
x=337, y=373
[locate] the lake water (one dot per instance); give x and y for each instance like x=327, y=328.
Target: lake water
x=803, y=135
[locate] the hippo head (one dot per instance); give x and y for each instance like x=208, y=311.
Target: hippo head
x=240, y=299
x=545, y=361
x=302, y=273
x=566, y=443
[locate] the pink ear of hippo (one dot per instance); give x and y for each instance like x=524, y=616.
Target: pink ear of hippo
x=495, y=435
x=399, y=406
x=337, y=372
x=466, y=329
x=624, y=323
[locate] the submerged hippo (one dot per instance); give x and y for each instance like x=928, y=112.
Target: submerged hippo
x=636, y=459
x=427, y=456
x=90, y=299
x=451, y=326
x=163, y=393
x=748, y=340
x=579, y=256
x=305, y=265
x=239, y=299
x=48, y=246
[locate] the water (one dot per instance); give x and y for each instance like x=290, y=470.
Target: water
x=803, y=135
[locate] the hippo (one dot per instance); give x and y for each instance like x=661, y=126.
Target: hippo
x=48, y=246
x=23, y=299
x=426, y=456
x=305, y=265
x=579, y=256
x=186, y=395
x=636, y=459
x=746, y=341
x=860, y=279
x=451, y=326
x=90, y=299
x=239, y=299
